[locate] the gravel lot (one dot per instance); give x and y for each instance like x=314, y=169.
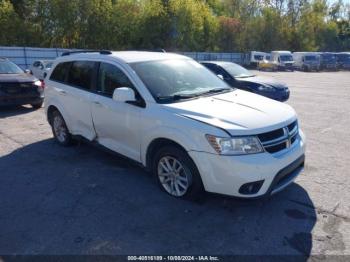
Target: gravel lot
x=82, y=200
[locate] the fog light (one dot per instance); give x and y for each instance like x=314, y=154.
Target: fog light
x=251, y=188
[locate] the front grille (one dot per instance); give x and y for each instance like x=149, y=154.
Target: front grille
x=279, y=139
x=18, y=88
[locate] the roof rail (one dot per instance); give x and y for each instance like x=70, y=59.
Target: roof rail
x=159, y=50
x=102, y=52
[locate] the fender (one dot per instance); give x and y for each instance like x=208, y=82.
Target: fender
x=53, y=101
x=166, y=132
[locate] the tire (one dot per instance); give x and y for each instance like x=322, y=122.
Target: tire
x=185, y=183
x=60, y=130
x=38, y=105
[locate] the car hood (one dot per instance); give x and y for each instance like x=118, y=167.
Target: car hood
x=16, y=78
x=238, y=112
x=263, y=81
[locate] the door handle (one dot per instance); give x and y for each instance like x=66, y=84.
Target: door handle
x=97, y=103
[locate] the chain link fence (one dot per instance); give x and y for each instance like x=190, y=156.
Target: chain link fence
x=25, y=56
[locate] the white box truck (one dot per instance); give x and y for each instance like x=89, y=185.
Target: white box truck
x=284, y=60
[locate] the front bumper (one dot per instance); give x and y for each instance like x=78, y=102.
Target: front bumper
x=313, y=67
x=286, y=67
x=329, y=66
x=227, y=174
x=345, y=66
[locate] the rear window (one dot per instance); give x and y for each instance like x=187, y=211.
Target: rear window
x=60, y=71
x=81, y=74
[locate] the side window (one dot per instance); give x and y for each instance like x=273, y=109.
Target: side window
x=81, y=74
x=111, y=77
x=60, y=72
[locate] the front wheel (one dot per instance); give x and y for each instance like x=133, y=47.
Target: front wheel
x=176, y=173
x=60, y=130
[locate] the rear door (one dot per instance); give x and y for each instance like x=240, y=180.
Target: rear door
x=75, y=95
x=116, y=123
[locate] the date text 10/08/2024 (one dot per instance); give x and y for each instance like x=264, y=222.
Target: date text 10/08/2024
x=173, y=258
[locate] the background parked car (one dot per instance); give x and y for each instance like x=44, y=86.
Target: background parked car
x=40, y=68
x=18, y=87
x=328, y=61
x=255, y=57
x=306, y=61
x=267, y=64
x=239, y=77
x=343, y=60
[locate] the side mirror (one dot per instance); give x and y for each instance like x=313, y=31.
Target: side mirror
x=221, y=77
x=27, y=71
x=124, y=94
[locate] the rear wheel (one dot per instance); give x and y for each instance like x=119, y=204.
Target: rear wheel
x=176, y=173
x=60, y=130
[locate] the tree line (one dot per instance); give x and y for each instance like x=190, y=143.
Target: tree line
x=177, y=25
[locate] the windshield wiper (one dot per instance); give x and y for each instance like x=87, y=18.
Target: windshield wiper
x=215, y=90
x=177, y=97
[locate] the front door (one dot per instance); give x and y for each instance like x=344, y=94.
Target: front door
x=116, y=123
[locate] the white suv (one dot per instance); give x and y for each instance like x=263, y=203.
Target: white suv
x=176, y=118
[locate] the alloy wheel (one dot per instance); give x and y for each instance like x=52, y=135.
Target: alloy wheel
x=60, y=129
x=173, y=176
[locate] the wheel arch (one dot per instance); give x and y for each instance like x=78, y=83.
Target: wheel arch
x=50, y=111
x=155, y=145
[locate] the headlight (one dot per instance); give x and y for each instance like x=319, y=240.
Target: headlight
x=37, y=83
x=266, y=88
x=235, y=145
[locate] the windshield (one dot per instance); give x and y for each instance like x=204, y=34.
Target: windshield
x=7, y=67
x=343, y=57
x=310, y=58
x=236, y=70
x=258, y=57
x=177, y=77
x=328, y=57
x=286, y=58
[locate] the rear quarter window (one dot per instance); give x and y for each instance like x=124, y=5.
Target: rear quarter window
x=60, y=71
